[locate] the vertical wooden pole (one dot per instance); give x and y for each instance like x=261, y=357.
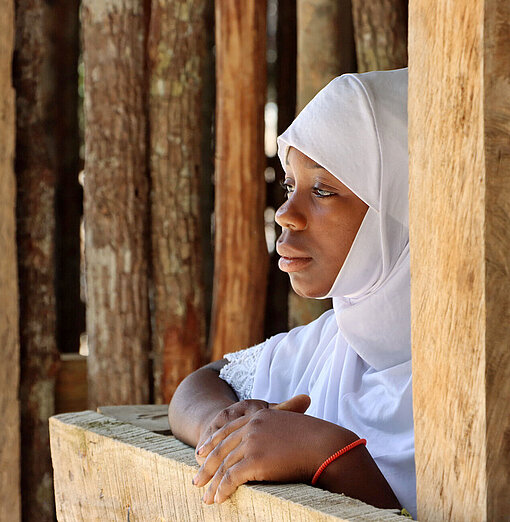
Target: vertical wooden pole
x=10, y=500
x=325, y=45
x=116, y=201
x=241, y=257
x=325, y=50
x=36, y=95
x=380, y=28
x=459, y=114
x=177, y=47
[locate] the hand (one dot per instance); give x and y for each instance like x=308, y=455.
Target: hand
x=238, y=409
x=245, y=408
x=272, y=444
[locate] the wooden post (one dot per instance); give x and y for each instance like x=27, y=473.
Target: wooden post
x=177, y=48
x=106, y=469
x=241, y=256
x=36, y=97
x=325, y=50
x=116, y=201
x=10, y=500
x=459, y=128
x=380, y=28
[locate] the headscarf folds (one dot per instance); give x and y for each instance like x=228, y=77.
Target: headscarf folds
x=355, y=361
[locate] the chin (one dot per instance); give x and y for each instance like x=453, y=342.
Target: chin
x=309, y=293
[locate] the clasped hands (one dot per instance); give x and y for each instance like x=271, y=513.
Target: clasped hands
x=252, y=440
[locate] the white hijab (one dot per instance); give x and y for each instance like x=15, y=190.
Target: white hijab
x=355, y=361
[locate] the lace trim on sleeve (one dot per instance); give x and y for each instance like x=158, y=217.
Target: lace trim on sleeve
x=239, y=372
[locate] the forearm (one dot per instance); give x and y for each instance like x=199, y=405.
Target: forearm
x=356, y=475
x=197, y=400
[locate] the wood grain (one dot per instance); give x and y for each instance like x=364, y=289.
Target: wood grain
x=459, y=123
x=10, y=500
x=241, y=257
x=108, y=470
x=177, y=48
x=116, y=201
x=380, y=28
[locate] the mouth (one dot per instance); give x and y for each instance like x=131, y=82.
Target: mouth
x=293, y=264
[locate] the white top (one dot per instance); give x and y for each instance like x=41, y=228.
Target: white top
x=355, y=360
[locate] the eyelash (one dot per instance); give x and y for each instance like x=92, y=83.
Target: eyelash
x=320, y=193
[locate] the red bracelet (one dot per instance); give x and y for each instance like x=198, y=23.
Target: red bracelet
x=333, y=457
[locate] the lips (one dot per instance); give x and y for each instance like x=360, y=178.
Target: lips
x=291, y=260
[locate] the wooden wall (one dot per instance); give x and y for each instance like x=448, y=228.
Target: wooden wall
x=459, y=128
x=10, y=498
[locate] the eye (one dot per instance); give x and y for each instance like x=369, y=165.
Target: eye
x=287, y=186
x=322, y=193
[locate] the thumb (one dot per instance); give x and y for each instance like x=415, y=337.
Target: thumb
x=298, y=404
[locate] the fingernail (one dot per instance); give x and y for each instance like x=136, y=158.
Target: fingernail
x=193, y=480
x=199, y=450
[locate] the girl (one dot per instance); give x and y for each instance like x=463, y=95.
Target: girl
x=278, y=410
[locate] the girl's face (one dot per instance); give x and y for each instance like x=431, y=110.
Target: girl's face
x=320, y=220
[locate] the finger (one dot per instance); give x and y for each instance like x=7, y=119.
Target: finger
x=298, y=404
x=224, y=470
x=232, y=478
x=220, y=435
x=216, y=458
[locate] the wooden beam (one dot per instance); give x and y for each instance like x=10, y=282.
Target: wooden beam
x=10, y=499
x=459, y=128
x=116, y=201
x=109, y=470
x=380, y=28
x=241, y=257
x=177, y=49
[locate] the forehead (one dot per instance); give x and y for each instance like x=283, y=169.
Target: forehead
x=296, y=157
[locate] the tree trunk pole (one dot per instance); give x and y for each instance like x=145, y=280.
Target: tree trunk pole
x=325, y=50
x=36, y=179
x=177, y=49
x=380, y=28
x=10, y=465
x=459, y=128
x=116, y=201
x=241, y=257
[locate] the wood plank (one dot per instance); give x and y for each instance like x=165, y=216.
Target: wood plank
x=71, y=386
x=151, y=417
x=241, y=257
x=459, y=124
x=177, y=49
x=108, y=470
x=116, y=192
x=10, y=500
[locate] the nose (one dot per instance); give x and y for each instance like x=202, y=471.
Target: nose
x=290, y=215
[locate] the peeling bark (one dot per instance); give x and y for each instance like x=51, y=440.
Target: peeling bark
x=177, y=48
x=10, y=500
x=380, y=28
x=116, y=201
x=241, y=257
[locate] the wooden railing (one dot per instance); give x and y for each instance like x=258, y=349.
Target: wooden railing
x=108, y=468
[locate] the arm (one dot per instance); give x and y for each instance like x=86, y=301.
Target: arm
x=287, y=446
x=197, y=400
